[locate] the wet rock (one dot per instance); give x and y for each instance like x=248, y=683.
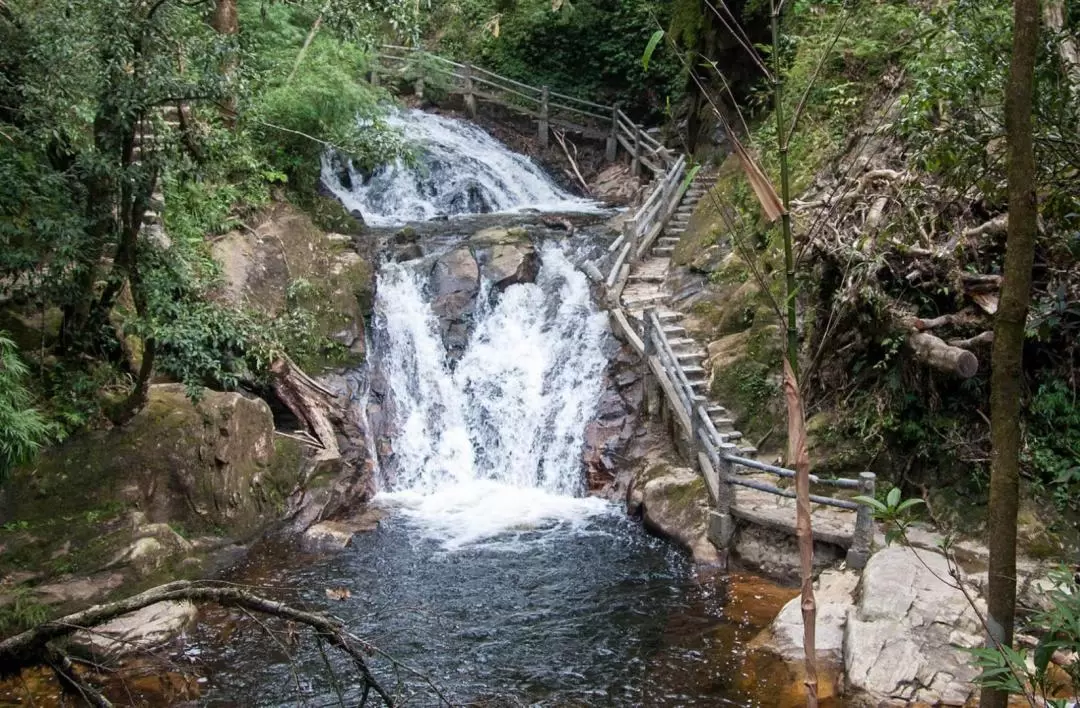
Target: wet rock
x=80, y=590
x=455, y=282
x=327, y=536
x=905, y=639
x=676, y=505
x=140, y=631
x=406, y=235
x=410, y=252
x=497, y=235
x=337, y=535
x=507, y=265
x=615, y=185
x=783, y=639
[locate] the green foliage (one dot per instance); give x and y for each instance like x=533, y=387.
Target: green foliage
x=954, y=110
x=590, y=49
x=1008, y=669
x=294, y=117
x=21, y=612
x=1053, y=442
x=893, y=511
x=22, y=428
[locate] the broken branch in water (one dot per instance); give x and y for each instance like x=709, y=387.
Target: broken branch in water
x=560, y=137
x=35, y=646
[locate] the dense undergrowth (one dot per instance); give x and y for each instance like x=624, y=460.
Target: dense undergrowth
x=590, y=49
x=86, y=299
x=899, y=182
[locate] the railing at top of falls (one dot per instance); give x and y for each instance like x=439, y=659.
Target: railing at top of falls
x=716, y=457
x=550, y=108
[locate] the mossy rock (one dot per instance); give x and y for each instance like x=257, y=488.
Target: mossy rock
x=331, y=215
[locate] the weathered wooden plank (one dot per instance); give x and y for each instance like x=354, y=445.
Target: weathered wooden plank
x=620, y=325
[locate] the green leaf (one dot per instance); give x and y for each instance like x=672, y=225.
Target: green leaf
x=874, y=504
x=1044, y=652
x=892, y=535
x=907, y=504
x=654, y=40
x=893, y=498
x=689, y=178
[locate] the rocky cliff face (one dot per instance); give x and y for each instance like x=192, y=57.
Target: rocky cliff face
x=181, y=478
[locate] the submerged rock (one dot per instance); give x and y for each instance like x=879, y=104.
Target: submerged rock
x=137, y=632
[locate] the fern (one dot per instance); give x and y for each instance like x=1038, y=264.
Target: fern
x=22, y=429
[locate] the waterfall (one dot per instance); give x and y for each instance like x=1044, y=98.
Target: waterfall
x=496, y=442
x=458, y=169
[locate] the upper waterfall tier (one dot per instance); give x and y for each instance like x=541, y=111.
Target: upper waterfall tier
x=458, y=169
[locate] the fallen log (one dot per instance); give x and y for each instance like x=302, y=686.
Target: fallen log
x=934, y=352
x=977, y=340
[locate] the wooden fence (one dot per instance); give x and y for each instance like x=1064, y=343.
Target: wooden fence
x=550, y=108
x=666, y=383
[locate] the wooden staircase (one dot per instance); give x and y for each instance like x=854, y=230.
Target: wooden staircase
x=646, y=289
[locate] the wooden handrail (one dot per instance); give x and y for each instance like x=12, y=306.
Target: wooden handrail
x=650, y=152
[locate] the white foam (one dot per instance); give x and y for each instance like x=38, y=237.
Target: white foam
x=459, y=169
x=494, y=446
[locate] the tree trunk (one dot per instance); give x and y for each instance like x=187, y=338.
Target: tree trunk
x=800, y=459
x=1007, y=376
x=226, y=22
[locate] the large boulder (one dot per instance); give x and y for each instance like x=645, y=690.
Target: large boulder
x=288, y=264
x=211, y=466
x=455, y=283
x=675, y=504
x=506, y=265
x=783, y=639
x=137, y=632
x=906, y=638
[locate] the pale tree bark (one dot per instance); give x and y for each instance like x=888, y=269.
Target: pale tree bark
x=1006, y=379
x=1068, y=47
x=804, y=532
x=226, y=22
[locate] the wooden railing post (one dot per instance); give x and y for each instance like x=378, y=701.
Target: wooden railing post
x=470, y=95
x=544, y=127
x=374, y=74
x=863, y=538
x=635, y=166
x=650, y=391
x=418, y=88
x=613, y=137
x=722, y=523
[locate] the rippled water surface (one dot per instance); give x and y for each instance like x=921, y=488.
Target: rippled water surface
x=591, y=613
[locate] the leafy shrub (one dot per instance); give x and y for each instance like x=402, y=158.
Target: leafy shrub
x=1053, y=441
x=22, y=429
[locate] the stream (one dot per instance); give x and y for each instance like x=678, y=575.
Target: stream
x=493, y=578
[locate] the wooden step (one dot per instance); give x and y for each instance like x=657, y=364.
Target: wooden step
x=646, y=278
x=663, y=251
x=692, y=370
x=687, y=357
x=667, y=241
x=674, y=331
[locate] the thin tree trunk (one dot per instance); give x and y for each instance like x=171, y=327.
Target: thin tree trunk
x=307, y=43
x=226, y=22
x=1007, y=376
x=804, y=532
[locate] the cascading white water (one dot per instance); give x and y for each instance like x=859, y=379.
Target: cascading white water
x=496, y=443
x=460, y=169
